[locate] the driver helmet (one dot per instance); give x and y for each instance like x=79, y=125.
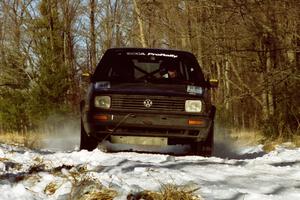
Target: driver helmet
x=166, y=67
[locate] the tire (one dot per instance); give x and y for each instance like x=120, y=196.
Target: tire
x=87, y=142
x=205, y=148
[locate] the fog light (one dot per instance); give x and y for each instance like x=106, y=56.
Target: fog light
x=196, y=122
x=101, y=117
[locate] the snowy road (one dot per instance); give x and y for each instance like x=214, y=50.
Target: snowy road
x=246, y=174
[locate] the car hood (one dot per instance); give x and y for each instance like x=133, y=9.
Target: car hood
x=149, y=88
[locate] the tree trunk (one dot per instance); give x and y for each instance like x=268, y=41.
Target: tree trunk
x=226, y=84
x=92, y=34
x=141, y=26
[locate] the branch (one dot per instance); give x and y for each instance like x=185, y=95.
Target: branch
x=11, y=85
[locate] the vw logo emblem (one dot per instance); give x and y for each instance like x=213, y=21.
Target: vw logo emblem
x=147, y=103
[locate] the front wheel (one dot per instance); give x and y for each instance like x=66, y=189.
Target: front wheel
x=87, y=142
x=205, y=148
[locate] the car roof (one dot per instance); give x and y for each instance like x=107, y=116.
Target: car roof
x=147, y=50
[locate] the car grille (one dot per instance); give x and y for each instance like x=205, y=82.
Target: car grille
x=158, y=103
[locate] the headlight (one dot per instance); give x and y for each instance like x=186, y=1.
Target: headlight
x=102, y=102
x=193, y=106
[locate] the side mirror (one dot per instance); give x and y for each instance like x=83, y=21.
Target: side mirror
x=214, y=83
x=86, y=76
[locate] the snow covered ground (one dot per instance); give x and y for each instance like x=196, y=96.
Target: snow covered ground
x=246, y=173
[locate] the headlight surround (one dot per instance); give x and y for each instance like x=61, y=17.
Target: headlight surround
x=103, y=102
x=193, y=106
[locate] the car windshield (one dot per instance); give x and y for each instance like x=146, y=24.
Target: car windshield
x=151, y=67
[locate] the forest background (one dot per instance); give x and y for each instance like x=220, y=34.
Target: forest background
x=251, y=46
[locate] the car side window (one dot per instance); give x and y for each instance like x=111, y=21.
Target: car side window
x=122, y=69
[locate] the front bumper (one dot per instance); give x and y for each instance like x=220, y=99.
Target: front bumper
x=175, y=127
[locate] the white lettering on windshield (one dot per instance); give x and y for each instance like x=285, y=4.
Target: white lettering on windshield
x=163, y=55
x=136, y=53
x=151, y=54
